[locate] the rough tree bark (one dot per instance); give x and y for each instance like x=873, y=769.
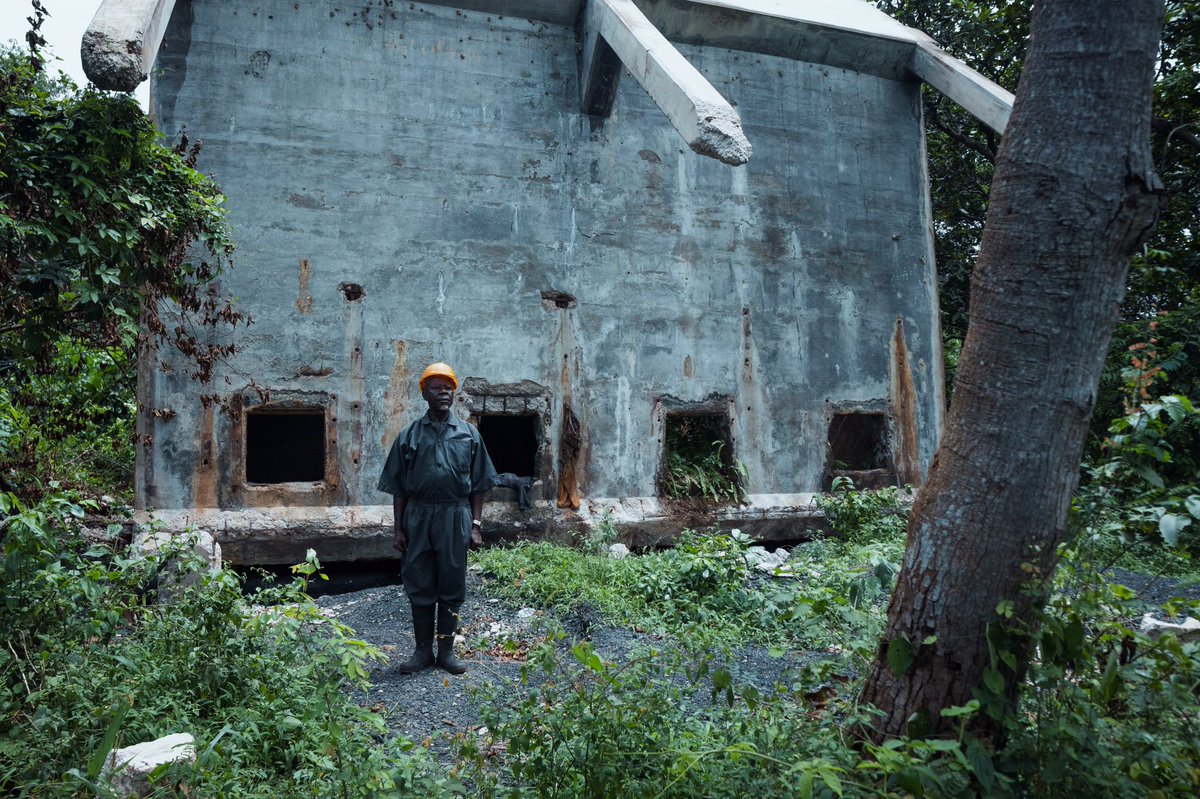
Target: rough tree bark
x=1074, y=195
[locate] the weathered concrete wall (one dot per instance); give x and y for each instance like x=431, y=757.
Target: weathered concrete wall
x=436, y=158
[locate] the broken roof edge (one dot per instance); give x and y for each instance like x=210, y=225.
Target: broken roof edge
x=831, y=32
x=121, y=42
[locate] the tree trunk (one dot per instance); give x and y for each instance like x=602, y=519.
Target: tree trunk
x=1073, y=197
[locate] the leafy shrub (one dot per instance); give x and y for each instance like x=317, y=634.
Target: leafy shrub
x=865, y=516
x=700, y=585
x=269, y=696
x=1107, y=711
x=556, y=577
x=68, y=420
x=1126, y=498
x=673, y=723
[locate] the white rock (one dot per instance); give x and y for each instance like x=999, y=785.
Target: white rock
x=526, y=614
x=618, y=551
x=1188, y=630
x=128, y=770
x=762, y=560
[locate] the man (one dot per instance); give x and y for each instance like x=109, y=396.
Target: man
x=437, y=472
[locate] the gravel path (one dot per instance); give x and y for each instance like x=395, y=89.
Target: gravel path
x=493, y=636
x=435, y=706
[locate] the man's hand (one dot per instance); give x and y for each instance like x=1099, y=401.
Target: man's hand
x=476, y=538
x=401, y=542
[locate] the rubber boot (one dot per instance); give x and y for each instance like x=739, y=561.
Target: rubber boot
x=422, y=656
x=447, y=620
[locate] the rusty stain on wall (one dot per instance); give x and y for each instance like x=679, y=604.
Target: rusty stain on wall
x=304, y=301
x=571, y=433
x=395, y=397
x=569, y=445
x=688, y=366
x=904, y=411
x=204, y=477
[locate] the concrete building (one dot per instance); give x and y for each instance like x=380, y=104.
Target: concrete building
x=610, y=216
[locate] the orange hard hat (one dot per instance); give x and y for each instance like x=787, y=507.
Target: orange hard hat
x=438, y=369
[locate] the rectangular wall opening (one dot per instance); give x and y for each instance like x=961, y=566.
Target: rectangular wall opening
x=511, y=441
x=285, y=445
x=859, y=448
x=698, y=459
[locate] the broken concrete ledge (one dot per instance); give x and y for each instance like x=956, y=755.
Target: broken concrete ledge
x=281, y=535
x=120, y=44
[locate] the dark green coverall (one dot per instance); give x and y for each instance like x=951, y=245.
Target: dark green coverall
x=437, y=468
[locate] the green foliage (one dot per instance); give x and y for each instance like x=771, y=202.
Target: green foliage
x=68, y=420
x=695, y=463
x=676, y=723
x=101, y=223
x=554, y=577
x=703, y=589
x=1144, y=482
x=865, y=516
x=269, y=692
x=593, y=728
x=1106, y=710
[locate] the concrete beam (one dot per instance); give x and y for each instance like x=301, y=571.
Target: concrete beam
x=702, y=116
x=599, y=71
x=981, y=98
x=121, y=43
x=839, y=33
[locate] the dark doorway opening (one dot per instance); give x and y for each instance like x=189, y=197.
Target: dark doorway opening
x=859, y=449
x=512, y=442
x=698, y=459
x=285, y=446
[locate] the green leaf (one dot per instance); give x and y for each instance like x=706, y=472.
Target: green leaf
x=1149, y=475
x=969, y=709
x=994, y=681
x=1170, y=525
x=95, y=762
x=830, y=778
x=899, y=655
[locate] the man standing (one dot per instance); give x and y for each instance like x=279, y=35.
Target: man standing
x=437, y=472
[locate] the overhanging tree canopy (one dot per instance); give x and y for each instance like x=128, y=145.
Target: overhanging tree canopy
x=100, y=221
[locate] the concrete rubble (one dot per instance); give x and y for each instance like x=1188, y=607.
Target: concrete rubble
x=772, y=563
x=185, y=557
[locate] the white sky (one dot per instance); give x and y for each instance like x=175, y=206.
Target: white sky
x=63, y=30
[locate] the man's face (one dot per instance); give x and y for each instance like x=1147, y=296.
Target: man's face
x=439, y=393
